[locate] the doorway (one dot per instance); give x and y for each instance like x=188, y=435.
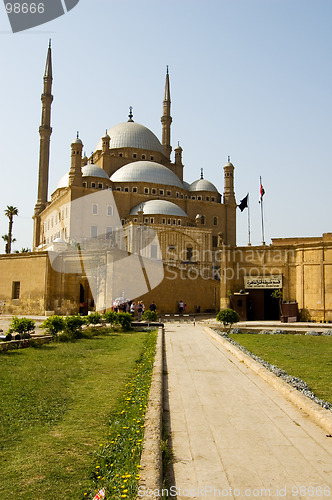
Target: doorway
x=262, y=306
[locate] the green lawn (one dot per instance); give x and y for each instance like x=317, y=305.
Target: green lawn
x=55, y=403
x=303, y=356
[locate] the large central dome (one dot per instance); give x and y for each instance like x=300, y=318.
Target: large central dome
x=132, y=135
x=146, y=171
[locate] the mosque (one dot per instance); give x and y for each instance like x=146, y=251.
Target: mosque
x=125, y=223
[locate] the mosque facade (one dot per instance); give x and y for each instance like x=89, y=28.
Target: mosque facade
x=129, y=184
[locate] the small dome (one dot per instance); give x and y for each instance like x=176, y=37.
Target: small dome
x=132, y=135
x=159, y=207
x=58, y=240
x=89, y=170
x=186, y=185
x=77, y=140
x=146, y=171
x=203, y=185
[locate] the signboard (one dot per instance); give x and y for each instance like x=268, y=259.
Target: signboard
x=263, y=282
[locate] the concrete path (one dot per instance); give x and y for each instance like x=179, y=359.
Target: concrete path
x=232, y=434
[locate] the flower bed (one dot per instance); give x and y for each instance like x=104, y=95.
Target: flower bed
x=116, y=471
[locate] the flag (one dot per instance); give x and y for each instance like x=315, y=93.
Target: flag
x=261, y=190
x=244, y=203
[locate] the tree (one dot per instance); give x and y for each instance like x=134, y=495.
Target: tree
x=5, y=239
x=10, y=212
x=227, y=317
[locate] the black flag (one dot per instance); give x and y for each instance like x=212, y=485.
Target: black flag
x=243, y=203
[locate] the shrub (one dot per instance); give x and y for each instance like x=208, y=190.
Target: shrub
x=54, y=324
x=73, y=327
x=124, y=320
x=227, y=317
x=65, y=337
x=21, y=325
x=93, y=318
x=110, y=317
x=150, y=316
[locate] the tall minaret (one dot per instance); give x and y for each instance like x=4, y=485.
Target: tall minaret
x=45, y=131
x=230, y=204
x=166, y=119
x=229, y=195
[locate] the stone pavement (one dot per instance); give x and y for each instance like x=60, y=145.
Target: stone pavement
x=233, y=435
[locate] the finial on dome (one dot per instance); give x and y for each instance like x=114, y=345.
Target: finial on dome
x=229, y=158
x=91, y=159
x=130, y=116
x=167, y=69
x=50, y=43
x=77, y=135
x=202, y=177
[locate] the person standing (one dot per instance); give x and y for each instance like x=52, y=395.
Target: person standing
x=180, y=307
x=153, y=306
x=139, y=310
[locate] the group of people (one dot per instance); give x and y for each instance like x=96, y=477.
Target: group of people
x=132, y=307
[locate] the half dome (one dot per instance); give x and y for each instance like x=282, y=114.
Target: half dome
x=203, y=185
x=159, y=207
x=132, y=135
x=146, y=171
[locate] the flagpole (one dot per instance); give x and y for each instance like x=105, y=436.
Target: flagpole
x=249, y=242
x=262, y=213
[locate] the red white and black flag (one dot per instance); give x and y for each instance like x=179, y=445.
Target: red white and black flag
x=261, y=190
x=244, y=203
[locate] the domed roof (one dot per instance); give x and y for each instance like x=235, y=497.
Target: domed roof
x=202, y=185
x=159, y=207
x=186, y=185
x=132, y=135
x=90, y=170
x=146, y=171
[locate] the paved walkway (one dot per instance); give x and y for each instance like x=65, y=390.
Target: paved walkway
x=232, y=434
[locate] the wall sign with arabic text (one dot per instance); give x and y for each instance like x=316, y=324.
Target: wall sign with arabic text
x=263, y=282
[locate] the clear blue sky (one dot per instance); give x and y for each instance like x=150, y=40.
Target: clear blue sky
x=249, y=78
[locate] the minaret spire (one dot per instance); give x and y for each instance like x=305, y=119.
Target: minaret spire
x=45, y=132
x=166, y=119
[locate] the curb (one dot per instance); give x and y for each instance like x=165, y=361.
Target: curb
x=151, y=459
x=319, y=415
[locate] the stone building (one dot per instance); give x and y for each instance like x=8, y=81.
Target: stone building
x=300, y=269
x=124, y=222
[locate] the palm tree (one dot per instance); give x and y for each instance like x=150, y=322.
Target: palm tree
x=5, y=239
x=10, y=212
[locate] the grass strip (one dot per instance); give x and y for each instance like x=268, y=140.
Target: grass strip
x=55, y=403
x=306, y=357
x=117, y=466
